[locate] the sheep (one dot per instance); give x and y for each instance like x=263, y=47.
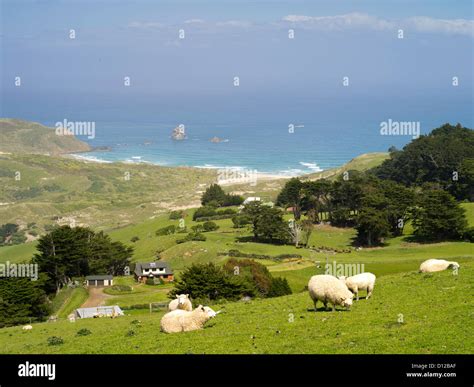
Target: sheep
x=363, y=281
x=327, y=288
x=182, y=301
x=184, y=321
x=432, y=265
x=27, y=328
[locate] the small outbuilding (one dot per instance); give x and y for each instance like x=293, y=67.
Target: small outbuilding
x=99, y=311
x=99, y=280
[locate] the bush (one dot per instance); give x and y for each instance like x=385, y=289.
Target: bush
x=168, y=230
x=469, y=234
x=150, y=281
x=134, y=239
x=209, y=226
x=121, y=288
x=83, y=332
x=211, y=282
x=55, y=340
x=279, y=287
x=192, y=236
x=241, y=220
x=175, y=215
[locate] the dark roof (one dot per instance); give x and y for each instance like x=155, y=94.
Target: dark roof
x=152, y=265
x=99, y=277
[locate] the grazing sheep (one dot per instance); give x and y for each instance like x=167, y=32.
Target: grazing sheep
x=182, y=301
x=27, y=327
x=432, y=265
x=363, y=281
x=327, y=288
x=183, y=321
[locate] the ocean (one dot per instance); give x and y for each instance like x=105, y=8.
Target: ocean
x=269, y=134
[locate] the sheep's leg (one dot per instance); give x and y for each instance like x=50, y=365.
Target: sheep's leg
x=369, y=292
x=333, y=307
x=315, y=305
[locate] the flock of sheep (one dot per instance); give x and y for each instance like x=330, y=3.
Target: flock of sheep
x=325, y=288
x=341, y=290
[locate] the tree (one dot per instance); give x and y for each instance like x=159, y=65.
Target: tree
x=68, y=252
x=431, y=158
x=295, y=231
x=215, y=194
x=438, y=217
x=21, y=300
x=210, y=282
x=316, y=198
x=292, y=196
x=372, y=226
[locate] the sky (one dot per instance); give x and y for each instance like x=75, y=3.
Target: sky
x=226, y=39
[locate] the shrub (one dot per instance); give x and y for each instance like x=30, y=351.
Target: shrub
x=83, y=332
x=121, y=288
x=241, y=220
x=469, y=234
x=192, y=236
x=279, y=287
x=55, y=340
x=209, y=226
x=150, y=281
x=134, y=239
x=175, y=215
x=168, y=230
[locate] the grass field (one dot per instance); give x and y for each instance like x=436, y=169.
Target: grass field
x=409, y=313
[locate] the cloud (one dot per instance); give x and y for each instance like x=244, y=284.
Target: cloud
x=194, y=21
x=362, y=20
x=454, y=26
x=234, y=23
x=145, y=25
x=341, y=22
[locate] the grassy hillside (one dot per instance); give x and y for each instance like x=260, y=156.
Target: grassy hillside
x=409, y=313
x=17, y=136
x=92, y=194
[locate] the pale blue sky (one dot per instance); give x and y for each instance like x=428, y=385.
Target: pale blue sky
x=228, y=38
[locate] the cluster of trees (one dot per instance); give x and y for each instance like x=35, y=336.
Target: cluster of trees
x=10, y=234
x=215, y=196
x=68, y=252
x=236, y=279
x=445, y=157
x=420, y=184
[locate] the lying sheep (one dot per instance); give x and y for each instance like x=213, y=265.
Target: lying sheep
x=327, y=288
x=363, y=281
x=182, y=301
x=183, y=321
x=432, y=265
x=27, y=327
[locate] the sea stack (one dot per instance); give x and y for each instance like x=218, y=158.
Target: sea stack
x=178, y=133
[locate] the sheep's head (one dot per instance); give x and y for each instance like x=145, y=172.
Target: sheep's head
x=208, y=311
x=454, y=265
x=347, y=301
x=342, y=278
x=182, y=298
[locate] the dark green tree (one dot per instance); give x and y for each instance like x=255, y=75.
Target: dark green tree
x=292, y=196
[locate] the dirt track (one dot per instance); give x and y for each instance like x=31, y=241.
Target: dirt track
x=96, y=297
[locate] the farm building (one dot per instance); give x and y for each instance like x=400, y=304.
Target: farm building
x=99, y=311
x=99, y=280
x=159, y=270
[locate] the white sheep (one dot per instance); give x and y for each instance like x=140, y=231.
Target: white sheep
x=432, y=265
x=183, y=321
x=327, y=288
x=27, y=327
x=182, y=301
x=363, y=281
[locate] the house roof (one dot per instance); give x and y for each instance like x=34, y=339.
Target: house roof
x=152, y=265
x=104, y=310
x=99, y=277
